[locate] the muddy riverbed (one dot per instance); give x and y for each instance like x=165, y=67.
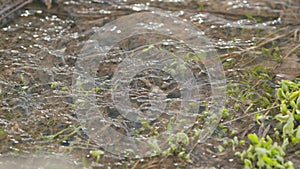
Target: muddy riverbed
x=41, y=113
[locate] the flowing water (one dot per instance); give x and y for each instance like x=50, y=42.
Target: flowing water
x=40, y=49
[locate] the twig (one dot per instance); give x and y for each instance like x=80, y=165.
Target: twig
x=14, y=8
x=291, y=51
x=296, y=34
x=266, y=131
x=135, y=164
x=287, y=55
x=267, y=41
x=197, y=142
x=250, y=114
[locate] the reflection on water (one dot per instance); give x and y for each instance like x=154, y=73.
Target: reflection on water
x=39, y=48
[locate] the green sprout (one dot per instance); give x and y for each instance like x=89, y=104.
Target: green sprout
x=97, y=154
x=263, y=153
x=289, y=97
